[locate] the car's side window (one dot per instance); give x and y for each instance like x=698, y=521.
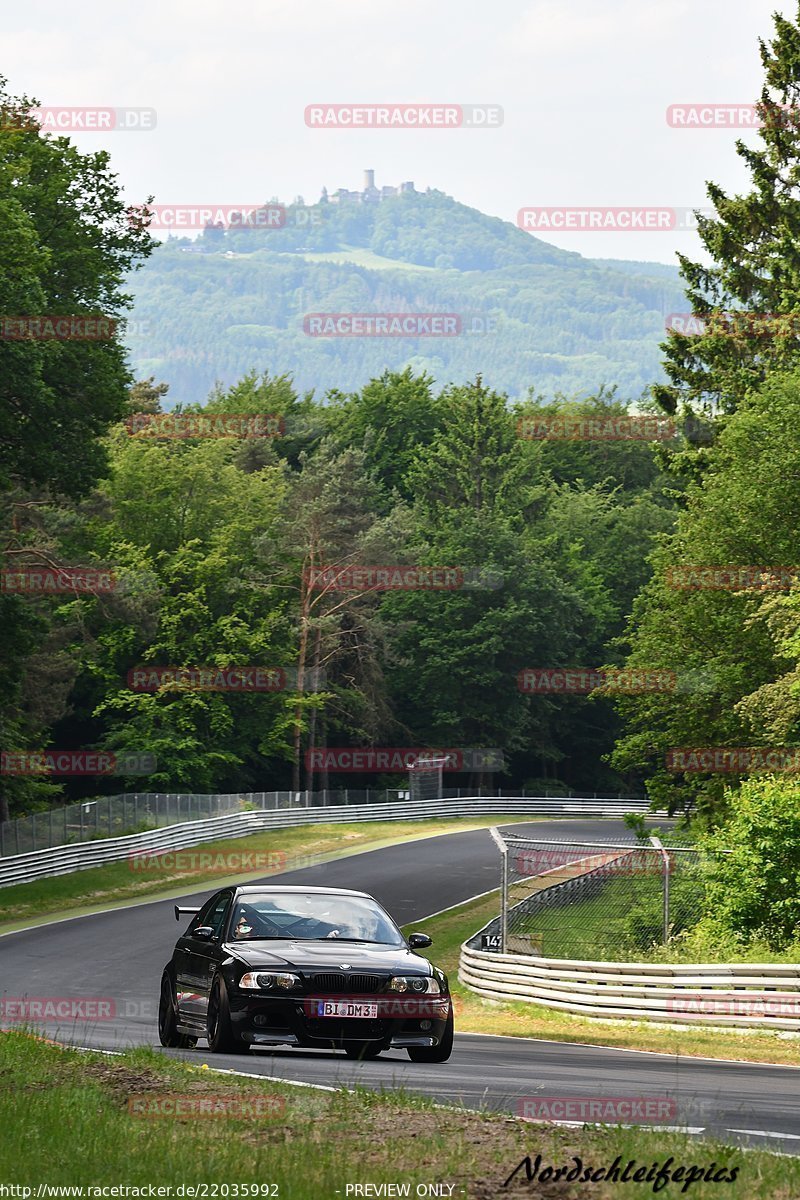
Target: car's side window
x=204, y=916
x=219, y=913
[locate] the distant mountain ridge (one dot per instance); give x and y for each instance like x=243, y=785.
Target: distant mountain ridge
x=533, y=316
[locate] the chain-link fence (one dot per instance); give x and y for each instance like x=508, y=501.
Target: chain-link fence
x=593, y=900
x=114, y=816
x=108, y=816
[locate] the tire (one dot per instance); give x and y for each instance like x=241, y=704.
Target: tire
x=435, y=1054
x=221, y=1038
x=363, y=1050
x=167, y=1021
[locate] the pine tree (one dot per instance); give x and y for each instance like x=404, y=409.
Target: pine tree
x=754, y=244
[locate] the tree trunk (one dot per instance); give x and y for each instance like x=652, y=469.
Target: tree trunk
x=305, y=605
x=312, y=724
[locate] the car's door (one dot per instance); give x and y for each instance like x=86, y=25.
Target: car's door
x=191, y=966
x=206, y=954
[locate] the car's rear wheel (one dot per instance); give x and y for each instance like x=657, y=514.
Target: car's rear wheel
x=221, y=1038
x=168, y=1033
x=435, y=1054
x=363, y=1049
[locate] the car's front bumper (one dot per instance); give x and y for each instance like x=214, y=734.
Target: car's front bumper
x=262, y=1020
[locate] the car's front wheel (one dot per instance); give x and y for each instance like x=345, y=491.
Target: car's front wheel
x=363, y=1049
x=168, y=1033
x=221, y=1038
x=435, y=1054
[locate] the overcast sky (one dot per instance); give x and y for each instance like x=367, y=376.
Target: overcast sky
x=584, y=85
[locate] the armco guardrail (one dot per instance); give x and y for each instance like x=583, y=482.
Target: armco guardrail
x=60, y=860
x=740, y=995
x=135, y=812
x=746, y=995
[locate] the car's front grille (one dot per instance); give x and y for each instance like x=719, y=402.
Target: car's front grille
x=344, y=981
x=329, y=1030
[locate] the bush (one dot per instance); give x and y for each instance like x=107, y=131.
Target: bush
x=754, y=892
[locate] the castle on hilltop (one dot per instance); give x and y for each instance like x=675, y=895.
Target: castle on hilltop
x=370, y=193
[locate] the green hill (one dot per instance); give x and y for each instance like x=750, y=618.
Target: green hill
x=533, y=316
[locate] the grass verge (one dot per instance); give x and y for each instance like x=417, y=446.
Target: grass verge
x=78, y=1119
x=117, y=883
x=477, y=1015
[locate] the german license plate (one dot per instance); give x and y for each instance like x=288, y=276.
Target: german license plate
x=346, y=1008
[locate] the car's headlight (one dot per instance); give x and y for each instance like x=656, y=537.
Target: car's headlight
x=415, y=983
x=259, y=981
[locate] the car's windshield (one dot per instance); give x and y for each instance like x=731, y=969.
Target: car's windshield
x=312, y=916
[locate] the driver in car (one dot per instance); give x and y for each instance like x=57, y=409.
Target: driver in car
x=244, y=925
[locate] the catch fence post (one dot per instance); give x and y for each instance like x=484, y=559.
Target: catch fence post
x=654, y=841
x=503, y=848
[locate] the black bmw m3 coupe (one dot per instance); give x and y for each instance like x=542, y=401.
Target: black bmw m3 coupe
x=316, y=967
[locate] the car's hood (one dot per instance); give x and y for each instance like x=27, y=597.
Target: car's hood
x=328, y=955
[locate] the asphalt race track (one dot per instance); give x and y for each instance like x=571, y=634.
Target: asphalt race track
x=120, y=955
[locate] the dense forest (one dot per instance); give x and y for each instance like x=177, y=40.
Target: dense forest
x=590, y=553
x=211, y=308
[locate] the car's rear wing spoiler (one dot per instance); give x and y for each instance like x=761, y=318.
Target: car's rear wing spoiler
x=186, y=912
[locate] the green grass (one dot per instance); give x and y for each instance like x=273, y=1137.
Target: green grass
x=66, y=1120
x=477, y=1015
x=103, y=887
x=619, y=924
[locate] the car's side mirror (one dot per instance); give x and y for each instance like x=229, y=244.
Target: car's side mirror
x=204, y=933
x=418, y=941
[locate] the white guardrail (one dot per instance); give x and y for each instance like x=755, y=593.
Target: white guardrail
x=744, y=995
x=60, y=860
